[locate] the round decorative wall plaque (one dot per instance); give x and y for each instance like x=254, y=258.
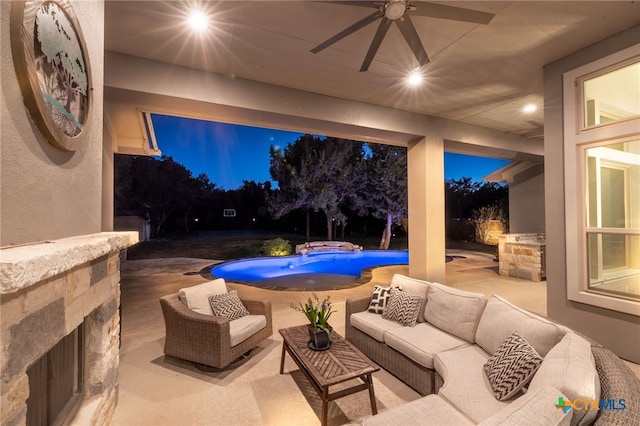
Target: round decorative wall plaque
x=52, y=66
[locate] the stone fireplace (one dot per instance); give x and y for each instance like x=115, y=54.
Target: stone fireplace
x=48, y=290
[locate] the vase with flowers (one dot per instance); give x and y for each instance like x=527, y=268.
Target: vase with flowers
x=318, y=314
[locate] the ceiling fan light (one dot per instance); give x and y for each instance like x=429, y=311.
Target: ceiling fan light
x=395, y=9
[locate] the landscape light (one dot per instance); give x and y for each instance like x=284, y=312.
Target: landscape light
x=198, y=21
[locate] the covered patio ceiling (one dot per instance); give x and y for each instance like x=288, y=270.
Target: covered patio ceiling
x=478, y=74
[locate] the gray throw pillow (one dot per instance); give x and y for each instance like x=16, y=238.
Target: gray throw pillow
x=512, y=366
x=403, y=307
x=228, y=305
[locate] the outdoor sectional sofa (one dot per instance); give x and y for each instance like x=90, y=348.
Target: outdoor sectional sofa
x=443, y=357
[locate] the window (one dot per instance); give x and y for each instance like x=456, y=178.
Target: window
x=606, y=97
x=602, y=182
x=612, y=206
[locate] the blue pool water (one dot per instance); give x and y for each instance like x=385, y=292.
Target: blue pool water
x=342, y=263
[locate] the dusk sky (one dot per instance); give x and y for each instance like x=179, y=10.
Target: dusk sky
x=230, y=154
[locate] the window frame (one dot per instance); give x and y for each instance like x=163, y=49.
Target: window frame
x=577, y=139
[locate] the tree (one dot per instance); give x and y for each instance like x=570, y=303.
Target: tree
x=385, y=194
x=63, y=55
x=289, y=168
x=157, y=189
x=318, y=174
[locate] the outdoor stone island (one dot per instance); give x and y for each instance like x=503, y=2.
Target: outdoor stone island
x=59, y=310
x=522, y=256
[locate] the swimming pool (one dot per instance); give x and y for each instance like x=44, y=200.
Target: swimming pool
x=335, y=262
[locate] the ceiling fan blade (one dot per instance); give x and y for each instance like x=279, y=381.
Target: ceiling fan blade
x=450, y=12
x=353, y=28
x=375, y=43
x=411, y=35
x=369, y=4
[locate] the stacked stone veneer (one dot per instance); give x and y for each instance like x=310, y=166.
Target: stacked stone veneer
x=46, y=291
x=522, y=256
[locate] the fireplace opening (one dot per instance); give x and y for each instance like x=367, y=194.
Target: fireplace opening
x=55, y=382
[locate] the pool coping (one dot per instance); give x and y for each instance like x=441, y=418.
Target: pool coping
x=365, y=276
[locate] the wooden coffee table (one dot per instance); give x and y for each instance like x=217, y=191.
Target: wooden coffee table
x=340, y=363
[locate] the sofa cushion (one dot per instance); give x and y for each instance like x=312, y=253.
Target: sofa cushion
x=196, y=297
x=227, y=305
x=244, y=327
x=466, y=386
x=512, y=366
x=454, y=311
x=500, y=319
x=412, y=286
x=570, y=367
x=535, y=408
x=428, y=410
x=373, y=324
x=403, y=308
x=379, y=299
x=422, y=342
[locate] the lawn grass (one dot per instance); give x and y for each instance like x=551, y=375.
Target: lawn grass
x=229, y=245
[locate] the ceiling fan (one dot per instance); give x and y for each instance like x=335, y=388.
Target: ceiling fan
x=398, y=11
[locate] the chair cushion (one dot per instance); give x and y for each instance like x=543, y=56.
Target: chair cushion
x=454, y=311
x=379, y=299
x=228, y=305
x=412, y=286
x=422, y=342
x=500, y=319
x=196, y=297
x=403, y=308
x=512, y=366
x=244, y=327
x=570, y=367
x=373, y=324
x=431, y=410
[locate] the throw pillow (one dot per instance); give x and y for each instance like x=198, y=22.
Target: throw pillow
x=412, y=286
x=512, y=366
x=379, y=299
x=228, y=305
x=403, y=307
x=197, y=297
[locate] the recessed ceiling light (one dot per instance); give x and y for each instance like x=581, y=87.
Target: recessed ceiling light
x=414, y=78
x=529, y=108
x=198, y=21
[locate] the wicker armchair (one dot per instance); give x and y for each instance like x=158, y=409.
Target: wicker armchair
x=205, y=339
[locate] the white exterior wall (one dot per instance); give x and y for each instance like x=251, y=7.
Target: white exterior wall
x=617, y=331
x=526, y=202
x=47, y=193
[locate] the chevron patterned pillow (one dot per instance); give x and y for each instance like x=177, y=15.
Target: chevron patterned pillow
x=512, y=366
x=403, y=307
x=379, y=299
x=228, y=305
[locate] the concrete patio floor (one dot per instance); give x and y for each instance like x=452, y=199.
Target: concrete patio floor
x=155, y=390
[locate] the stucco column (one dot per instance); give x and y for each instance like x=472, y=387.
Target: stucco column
x=426, y=209
x=107, y=181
